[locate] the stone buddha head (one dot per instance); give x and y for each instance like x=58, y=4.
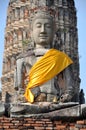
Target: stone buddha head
x=42, y=27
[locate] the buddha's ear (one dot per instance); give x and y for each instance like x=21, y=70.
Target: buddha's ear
x=32, y=39
x=31, y=30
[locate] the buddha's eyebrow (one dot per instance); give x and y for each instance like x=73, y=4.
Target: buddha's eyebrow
x=38, y=23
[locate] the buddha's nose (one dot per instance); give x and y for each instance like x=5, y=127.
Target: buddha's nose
x=42, y=28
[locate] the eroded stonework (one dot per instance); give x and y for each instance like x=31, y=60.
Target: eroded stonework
x=16, y=59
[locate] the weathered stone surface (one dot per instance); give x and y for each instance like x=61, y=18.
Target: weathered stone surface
x=50, y=110
x=71, y=112
x=2, y=109
x=83, y=110
x=43, y=109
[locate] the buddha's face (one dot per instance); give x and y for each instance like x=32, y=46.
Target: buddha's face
x=43, y=31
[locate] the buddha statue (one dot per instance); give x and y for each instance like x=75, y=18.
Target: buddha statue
x=57, y=88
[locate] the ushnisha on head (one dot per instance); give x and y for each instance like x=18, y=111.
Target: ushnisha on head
x=42, y=29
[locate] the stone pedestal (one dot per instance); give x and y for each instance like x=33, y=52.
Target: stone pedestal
x=49, y=110
x=45, y=109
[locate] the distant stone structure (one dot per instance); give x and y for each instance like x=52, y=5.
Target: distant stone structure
x=0, y=95
x=18, y=33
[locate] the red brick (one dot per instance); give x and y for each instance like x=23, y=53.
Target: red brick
x=6, y=127
x=18, y=124
x=83, y=129
x=37, y=124
x=49, y=128
x=26, y=124
x=49, y=122
x=54, y=128
x=39, y=128
x=50, y=125
x=15, y=121
x=13, y=129
x=85, y=122
x=57, y=122
x=45, y=120
x=72, y=126
x=7, y=124
x=61, y=126
x=1, y=127
x=6, y=118
x=1, y=118
x=81, y=122
x=29, y=119
x=5, y=121
x=31, y=122
x=22, y=127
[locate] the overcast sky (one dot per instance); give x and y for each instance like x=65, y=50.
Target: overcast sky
x=81, y=25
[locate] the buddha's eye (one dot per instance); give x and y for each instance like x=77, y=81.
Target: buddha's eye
x=38, y=25
x=48, y=25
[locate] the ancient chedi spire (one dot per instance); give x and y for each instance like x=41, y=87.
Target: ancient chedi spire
x=18, y=30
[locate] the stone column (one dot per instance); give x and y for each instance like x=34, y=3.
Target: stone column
x=22, y=12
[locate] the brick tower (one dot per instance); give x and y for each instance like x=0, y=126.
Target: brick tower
x=18, y=30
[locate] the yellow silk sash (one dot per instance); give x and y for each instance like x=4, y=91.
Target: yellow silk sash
x=48, y=66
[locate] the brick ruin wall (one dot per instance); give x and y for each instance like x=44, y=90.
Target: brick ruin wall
x=18, y=30
x=40, y=124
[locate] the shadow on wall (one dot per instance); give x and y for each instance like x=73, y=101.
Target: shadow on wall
x=7, y=98
x=81, y=97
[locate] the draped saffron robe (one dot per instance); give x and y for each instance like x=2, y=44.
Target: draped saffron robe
x=47, y=67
